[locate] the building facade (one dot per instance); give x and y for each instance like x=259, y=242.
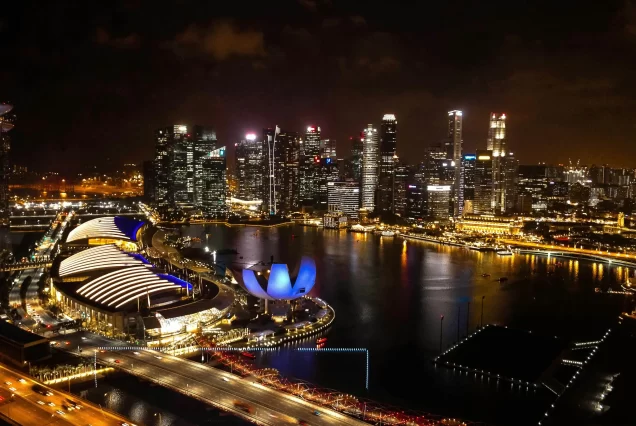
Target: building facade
x=309, y=164
x=388, y=154
x=369, y=185
x=483, y=202
x=455, y=158
x=248, y=168
x=344, y=197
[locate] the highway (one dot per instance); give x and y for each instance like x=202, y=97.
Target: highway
x=21, y=404
x=210, y=385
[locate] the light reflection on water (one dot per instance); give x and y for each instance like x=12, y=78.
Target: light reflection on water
x=389, y=295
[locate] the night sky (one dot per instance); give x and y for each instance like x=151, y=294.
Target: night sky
x=91, y=82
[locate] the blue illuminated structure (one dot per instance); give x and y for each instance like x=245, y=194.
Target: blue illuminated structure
x=276, y=283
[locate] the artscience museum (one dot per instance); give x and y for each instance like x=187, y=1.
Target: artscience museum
x=274, y=282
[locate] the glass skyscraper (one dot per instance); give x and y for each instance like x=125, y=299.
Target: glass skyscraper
x=249, y=168
x=309, y=163
x=388, y=146
x=369, y=184
x=455, y=143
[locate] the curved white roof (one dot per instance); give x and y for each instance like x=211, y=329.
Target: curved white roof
x=101, y=257
x=103, y=227
x=123, y=286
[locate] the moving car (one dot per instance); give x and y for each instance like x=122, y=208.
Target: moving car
x=243, y=406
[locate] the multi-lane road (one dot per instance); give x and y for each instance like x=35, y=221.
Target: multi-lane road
x=25, y=406
x=242, y=396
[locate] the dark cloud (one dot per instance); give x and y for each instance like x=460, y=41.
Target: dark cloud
x=131, y=41
x=563, y=71
x=221, y=40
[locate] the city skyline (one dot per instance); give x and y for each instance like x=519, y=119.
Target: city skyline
x=556, y=75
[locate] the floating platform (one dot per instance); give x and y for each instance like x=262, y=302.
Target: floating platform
x=504, y=353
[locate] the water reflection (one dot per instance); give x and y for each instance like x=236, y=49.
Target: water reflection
x=389, y=294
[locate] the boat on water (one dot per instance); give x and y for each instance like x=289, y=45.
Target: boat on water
x=388, y=234
x=321, y=340
x=248, y=355
x=503, y=279
x=485, y=275
x=504, y=251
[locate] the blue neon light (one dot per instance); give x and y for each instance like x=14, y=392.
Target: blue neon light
x=128, y=226
x=176, y=280
x=279, y=284
x=470, y=157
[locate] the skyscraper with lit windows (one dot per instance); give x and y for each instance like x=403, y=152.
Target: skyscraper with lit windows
x=249, y=168
x=388, y=153
x=455, y=157
x=369, y=184
x=309, y=164
x=496, y=143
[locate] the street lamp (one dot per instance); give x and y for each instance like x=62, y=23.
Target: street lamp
x=158, y=415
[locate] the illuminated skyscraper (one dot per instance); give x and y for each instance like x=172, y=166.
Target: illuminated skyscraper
x=213, y=183
x=497, y=134
x=497, y=144
x=369, y=138
x=455, y=142
x=180, y=153
x=388, y=145
x=483, y=203
x=249, y=168
x=344, y=196
x=7, y=121
x=356, y=159
x=401, y=178
x=309, y=163
x=468, y=171
x=328, y=148
x=289, y=157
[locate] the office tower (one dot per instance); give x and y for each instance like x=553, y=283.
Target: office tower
x=248, y=168
x=496, y=143
x=327, y=172
x=438, y=199
x=180, y=152
x=328, y=148
x=7, y=122
x=204, y=142
x=174, y=176
x=497, y=134
x=281, y=181
x=402, y=175
x=468, y=170
x=213, y=183
x=369, y=138
x=483, y=202
x=455, y=143
x=510, y=167
x=309, y=164
x=149, y=181
x=434, y=172
x=415, y=201
x=289, y=147
x=356, y=159
x=345, y=197
x=388, y=144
